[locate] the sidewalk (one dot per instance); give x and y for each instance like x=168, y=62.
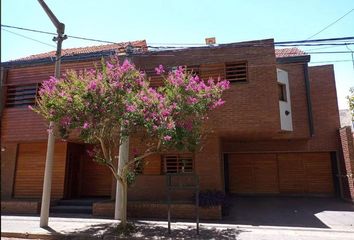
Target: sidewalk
x=90, y=228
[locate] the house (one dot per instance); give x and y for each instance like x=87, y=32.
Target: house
x=277, y=134
x=346, y=118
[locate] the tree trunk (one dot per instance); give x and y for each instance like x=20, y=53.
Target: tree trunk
x=123, y=205
x=122, y=160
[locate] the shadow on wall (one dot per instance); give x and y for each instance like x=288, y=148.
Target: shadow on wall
x=288, y=211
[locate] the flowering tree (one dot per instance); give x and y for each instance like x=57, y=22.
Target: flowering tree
x=113, y=101
x=351, y=101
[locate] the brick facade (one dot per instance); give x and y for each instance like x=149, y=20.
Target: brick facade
x=248, y=122
x=347, y=163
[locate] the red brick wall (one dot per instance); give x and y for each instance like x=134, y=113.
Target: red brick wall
x=251, y=109
x=347, y=162
x=325, y=116
x=158, y=210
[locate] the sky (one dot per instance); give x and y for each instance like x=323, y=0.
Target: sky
x=184, y=22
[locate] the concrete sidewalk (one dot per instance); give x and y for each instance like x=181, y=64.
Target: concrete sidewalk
x=89, y=228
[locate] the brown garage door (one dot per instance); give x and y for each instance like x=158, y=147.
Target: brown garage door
x=299, y=173
x=253, y=173
x=30, y=170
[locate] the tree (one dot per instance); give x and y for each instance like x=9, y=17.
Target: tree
x=113, y=101
x=351, y=101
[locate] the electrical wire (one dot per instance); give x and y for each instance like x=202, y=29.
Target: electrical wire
x=50, y=45
x=283, y=43
x=331, y=24
x=286, y=43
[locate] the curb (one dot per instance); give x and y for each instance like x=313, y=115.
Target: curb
x=57, y=236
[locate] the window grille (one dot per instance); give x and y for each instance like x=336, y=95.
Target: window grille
x=178, y=163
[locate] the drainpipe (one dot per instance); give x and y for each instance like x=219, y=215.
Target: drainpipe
x=47, y=182
x=308, y=99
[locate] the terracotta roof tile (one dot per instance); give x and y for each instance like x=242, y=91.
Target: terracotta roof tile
x=118, y=47
x=289, y=52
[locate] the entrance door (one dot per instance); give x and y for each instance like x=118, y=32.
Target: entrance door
x=85, y=177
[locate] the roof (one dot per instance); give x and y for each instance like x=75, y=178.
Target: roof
x=289, y=52
x=75, y=54
x=117, y=48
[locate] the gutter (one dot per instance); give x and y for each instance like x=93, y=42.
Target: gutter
x=308, y=98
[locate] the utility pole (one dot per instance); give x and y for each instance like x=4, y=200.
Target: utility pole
x=47, y=183
x=120, y=203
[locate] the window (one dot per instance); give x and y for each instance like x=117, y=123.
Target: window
x=282, y=92
x=236, y=72
x=21, y=95
x=177, y=163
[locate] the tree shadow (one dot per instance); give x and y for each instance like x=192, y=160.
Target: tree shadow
x=145, y=230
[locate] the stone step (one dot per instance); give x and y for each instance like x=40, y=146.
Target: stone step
x=75, y=202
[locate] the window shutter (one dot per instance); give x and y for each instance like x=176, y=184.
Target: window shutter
x=21, y=95
x=236, y=72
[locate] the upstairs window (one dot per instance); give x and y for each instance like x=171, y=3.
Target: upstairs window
x=180, y=163
x=236, y=71
x=21, y=95
x=282, y=92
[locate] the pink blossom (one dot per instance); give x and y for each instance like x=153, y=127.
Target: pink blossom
x=91, y=153
x=167, y=138
x=109, y=65
x=165, y=112
x=170, y=125
x=65, y=121
x=30, y=107
x=86, y=125
x=130, y=108
x=92, y=86
x=126, y=66
x=159, y=70
x=192, y=100
x=217, y=103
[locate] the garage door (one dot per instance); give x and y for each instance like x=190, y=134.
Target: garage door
x=298, y=173
x=30, y=170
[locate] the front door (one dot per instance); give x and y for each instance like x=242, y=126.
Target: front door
x=85, y=177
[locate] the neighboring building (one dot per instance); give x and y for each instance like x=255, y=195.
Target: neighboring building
x=346, y=118
x=277, y=133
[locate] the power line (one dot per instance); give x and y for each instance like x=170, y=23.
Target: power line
x=330, y=24
x=313, y=42
x=50, y=45
x=332, y=52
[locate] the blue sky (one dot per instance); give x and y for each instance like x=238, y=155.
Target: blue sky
x=183, y=21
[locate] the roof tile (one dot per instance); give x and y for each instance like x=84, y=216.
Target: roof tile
x=289, y=52
x=118, y=48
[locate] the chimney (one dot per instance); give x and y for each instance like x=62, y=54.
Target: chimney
x=210, y=41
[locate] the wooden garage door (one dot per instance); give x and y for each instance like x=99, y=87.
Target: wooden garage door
x=30, y=170
x=299, y=173
x=305, y=173
x=253, y=173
